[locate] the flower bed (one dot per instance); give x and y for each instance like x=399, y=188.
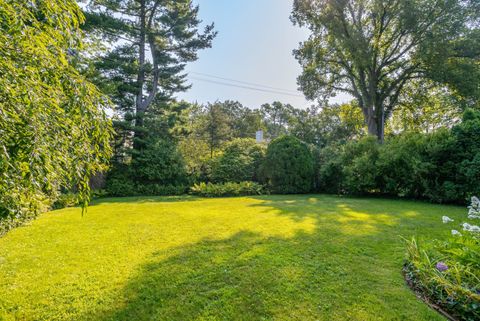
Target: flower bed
x=446, y=273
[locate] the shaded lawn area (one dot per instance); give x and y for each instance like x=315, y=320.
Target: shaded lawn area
x=295, y=257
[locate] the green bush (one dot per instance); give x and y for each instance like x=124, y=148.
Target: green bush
x=288, y=166
x=443, y=166
x=402, y=166
x=350, y=168
x=329, y=169
x=158, y=169
x=159, y=163
x=227, y=189
x=360, y=170
x=120, y=187
x=239, y=162
x=65, y=200
x=442, y=156
x=98, y=193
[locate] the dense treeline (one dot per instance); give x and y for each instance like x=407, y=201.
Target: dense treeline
x=442, y=166
x=215, y=143
x=313, y=150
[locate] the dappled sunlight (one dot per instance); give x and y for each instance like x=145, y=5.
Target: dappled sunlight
x=274, y=257
x=410, y=214
x=359, y=223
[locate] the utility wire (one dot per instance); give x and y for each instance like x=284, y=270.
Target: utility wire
x=227, y=84
x=243, y=82
x=244, y=87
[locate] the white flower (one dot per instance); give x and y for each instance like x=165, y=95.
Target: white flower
x=475, y=202
x=455, y=232
x=470, y=228
x=473, y=216
x=446, y=219
x=466, y=226
x=474, y=208
x=475, y=228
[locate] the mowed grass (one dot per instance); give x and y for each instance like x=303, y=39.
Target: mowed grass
x=304, y=257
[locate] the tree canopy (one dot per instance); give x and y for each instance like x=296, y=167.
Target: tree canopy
x=372, y=49
x=54, y=133
x=148, y=43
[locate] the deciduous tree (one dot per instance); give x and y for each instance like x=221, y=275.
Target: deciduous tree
x=371, y=49
x=53, y=129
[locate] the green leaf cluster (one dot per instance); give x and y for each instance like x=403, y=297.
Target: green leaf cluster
x=288, y=166
x=54, y=132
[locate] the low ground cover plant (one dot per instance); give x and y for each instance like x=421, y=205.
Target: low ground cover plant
x=227, y=189
x=447, y=272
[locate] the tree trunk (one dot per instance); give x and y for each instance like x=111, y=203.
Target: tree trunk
x=139, y=108
x=376, y=125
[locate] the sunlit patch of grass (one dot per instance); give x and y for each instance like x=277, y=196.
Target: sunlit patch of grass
x=289, y=257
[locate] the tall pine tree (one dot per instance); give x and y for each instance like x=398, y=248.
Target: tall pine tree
x=146, y=45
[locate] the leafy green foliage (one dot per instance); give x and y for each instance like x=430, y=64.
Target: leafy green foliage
x=455, y=63
x=454, y=289
x=126, y=187
x=159, y=163
x=448, y=271
x=329, y=169
x=65, y=200
x=373, y=49
x=402, y=167
x=328, y=124
x=239, y=162
x=288, y=166
x=227, y=189
x=425, y=108
x=147, y=45
x=54, y=132
x=157, y=170
x=276, y=117
x=441, y=166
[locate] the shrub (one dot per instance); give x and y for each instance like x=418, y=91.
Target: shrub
x=159, y=163
x=119, y=187
x=227, y=189
x=288, y=166
x=239, y=162
x=448, y=272
x=156, y=170
x=350, y=168
x=360, y=172
x=443, y=166
x=402, y=166
x=65, y=200
x=329, y=169
x=442, y=158
x=98, y=193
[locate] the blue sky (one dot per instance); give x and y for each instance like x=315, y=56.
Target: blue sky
x=254, y=45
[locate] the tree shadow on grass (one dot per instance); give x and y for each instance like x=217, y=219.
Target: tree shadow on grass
x=144, y=199
x=348, y=268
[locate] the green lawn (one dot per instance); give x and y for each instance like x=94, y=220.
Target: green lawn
x=305, y=257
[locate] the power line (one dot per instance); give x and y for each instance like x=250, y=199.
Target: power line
x=245, y=87
x=227, y=84
x=244, y=82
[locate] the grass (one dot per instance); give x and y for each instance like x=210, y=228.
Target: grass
x=305, y=257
